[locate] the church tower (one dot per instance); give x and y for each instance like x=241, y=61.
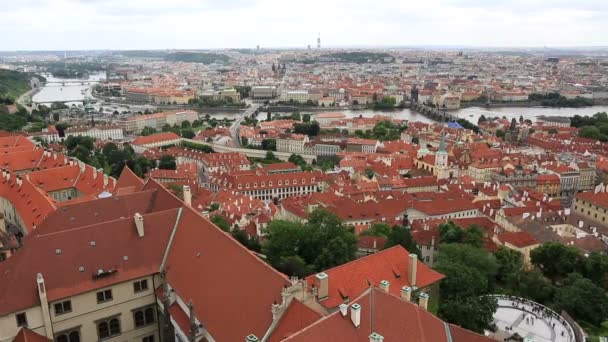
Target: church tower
x=441, y=159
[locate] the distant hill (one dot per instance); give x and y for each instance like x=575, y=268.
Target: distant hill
x=197, y=57
x=358, y=57
x=13, y=83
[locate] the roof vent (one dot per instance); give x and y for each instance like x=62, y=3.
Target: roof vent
x=58, y=251
x=93, y=243
x=125, y=258
x=81, y=269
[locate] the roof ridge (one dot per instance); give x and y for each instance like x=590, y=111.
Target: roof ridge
x=102, y=223
x=382, y=252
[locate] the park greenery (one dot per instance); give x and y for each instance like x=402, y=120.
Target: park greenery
x=206, y=101
x=12, y=85
x=198, y=147
x=299, y=161
x=592, y=127
x=383, y=131
x=557, y=100
x=307, y=128
x=387, y=102
x=358, y=57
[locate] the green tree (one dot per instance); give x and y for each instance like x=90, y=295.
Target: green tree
x=595, y=268
x=552, y=131
x=221, y=222
x=148, y=131
x=450, y=232
x=378, y=229
x=305, y=117
x=269, y=144
x=582, y=299
x=297, y=159
x=472, y=313
x=510, y=263
x=167, y=163
x=500, y=133
x=535, y=286
x=187, y=133
x=402, y=236
x=476, y=258
x=555, y=260
x=186, y=124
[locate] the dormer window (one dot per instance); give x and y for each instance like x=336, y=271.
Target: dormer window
x=287, y=182
x=247, y=185
x=270, y=183
x=255, y=185
x=263, y=184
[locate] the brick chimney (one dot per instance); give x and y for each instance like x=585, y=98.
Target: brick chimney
x=19, y=181
x=423, y=300
x=413, y=268
x=375, y=337
x=355, y=314
x=406, y=293
x=322, y=280
x=139, y=224
x=385, y=285
x=187, y=195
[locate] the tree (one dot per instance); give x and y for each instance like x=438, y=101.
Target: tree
x=595, y=268
x=269, y=116
x=56, y=117
x=471, y=257
x=510, y=263
x=555, y=260
x=582, y=299
x=377, y=229
x=472, y=313
x=535, y=286
x=450, y=232
x=270, y=156
x=481, y=119
x=269, y=144
x=167, y=163
x=244, y=141
x=188, y=133
x=148, y=131
x=306, y=118
x=221, y=222
x=186, y=124
x=402, y=236
x=500, y=133
x=241, y=236
x=415, y=140
x=552, y=131
x=297, y=159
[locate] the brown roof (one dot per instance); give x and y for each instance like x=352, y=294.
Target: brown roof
x=26, y=335
x=128, y=179
x=296, y=317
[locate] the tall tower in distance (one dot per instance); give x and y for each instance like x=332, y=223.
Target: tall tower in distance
x=319, y=41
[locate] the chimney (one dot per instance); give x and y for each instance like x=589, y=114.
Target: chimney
x=343, y=309
x=252, y=338
x=323, y=285
x=423, y=300
x=375, y=337
x=355, y=314
x=406, y=293
x=187, y=195
x=385, y=285
x=19, y=181
x=413, y=267
x=44, y=304
x=139, y=224
x=105, y=180
x=95, y=171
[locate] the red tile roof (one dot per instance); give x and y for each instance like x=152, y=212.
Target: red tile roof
x=117, y=246
x=128, y=179
x=26, y=335
x=352, y=279
x=296, y=317
x=232, y=297
x=155, y=138
x=518, y=239
x=600, y=199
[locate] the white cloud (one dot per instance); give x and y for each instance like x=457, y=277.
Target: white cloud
x=148, y=24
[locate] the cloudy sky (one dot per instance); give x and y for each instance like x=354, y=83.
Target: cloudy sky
x=189, y=24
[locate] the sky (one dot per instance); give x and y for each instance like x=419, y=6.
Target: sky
x=216, y=24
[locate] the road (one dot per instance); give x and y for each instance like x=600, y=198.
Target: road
x=21, y=100
x=234, y=129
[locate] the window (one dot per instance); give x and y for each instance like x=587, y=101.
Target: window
x=21, y=319
x=148, y=339
x=63, y=307
x=68, y=336
x=104, y=296
x=108, y=327
x=141, y=285
x=144, y=316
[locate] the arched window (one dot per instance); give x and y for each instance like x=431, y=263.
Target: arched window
x=114, y=326
x=139, y=318
x=150, y=315
x=103, y=330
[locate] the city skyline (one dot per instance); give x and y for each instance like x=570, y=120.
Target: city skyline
x=190, y=24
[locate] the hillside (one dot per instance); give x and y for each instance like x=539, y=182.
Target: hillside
x=197, y=57
x=13, y=83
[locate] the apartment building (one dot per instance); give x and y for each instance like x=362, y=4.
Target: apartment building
x=267, y=186
x=295, y=95
x=291, y=143
x=263, y=92
x=101, y=132
x=593, y=204
x=141, y=144
x=135, y=124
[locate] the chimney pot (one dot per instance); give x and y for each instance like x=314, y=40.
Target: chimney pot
x=139, y=224
x=375, y=337
x=322, y=284
x=355, y=314
x=413, y=267
x=251, y=338
x=343, y=309
x=406, y=293
x=385, y=285
x=423, y=300
x=187, y=195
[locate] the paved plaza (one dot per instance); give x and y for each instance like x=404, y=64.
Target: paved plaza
x=529, y=320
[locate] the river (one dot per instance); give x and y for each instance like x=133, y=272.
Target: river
x=60, y=89
x=472, y=114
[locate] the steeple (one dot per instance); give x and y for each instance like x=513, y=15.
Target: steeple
x=442, y=147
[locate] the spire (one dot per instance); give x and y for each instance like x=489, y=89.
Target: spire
x=442, y=147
